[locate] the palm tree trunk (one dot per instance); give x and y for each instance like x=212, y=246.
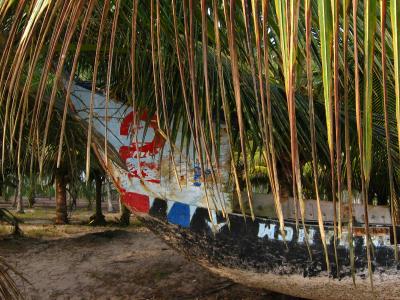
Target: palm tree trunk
x=61, y=199
x=1, y=188
x=110, y=207
x=14, y=204
x=98, y=218
x=20, y=203
x=6, y=198
x=31, y=196
x=125, y=214
x=15, y=199
x=99, y=185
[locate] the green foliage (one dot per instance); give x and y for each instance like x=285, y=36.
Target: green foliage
x=163, y=57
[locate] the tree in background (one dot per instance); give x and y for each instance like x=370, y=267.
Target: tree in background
x=99, y=177
x=61, y=197
x=110, y=207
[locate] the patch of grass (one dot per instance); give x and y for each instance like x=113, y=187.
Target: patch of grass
x=36, y=213
x=50, y=231
x=5, y=230
x=40, y=231
x=38, y=223
x=136, y=223
x=53, y=231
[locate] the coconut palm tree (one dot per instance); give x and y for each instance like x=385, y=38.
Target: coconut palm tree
x=233, y=63
x=99, y=177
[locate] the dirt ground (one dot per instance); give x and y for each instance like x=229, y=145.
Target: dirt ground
x=84, y=262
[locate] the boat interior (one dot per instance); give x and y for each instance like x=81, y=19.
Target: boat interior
x=264, y=206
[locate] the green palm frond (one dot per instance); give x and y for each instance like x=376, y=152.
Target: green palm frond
x=276, y=73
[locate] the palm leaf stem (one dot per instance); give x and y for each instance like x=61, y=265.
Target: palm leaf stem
x=236, y=85
x=346, y=9
x=104, y=15
x=307, y=6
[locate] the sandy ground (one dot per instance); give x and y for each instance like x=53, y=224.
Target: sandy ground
x=84, y=262
x=114, y=264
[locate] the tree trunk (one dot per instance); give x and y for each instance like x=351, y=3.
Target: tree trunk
x=1, y=188
x=98, y=218
x=110, y=207
x=14, y=204
x=61, y=199
x=99, y=185
x=90, y=202
x=124, y=219
x=120, y=203
x=73, y=195
x=31, y=196
x=20, y=203
x=31, y=200
x=6, y=198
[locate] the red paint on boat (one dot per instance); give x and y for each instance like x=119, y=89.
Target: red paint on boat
x=146, y=148
x=139, y=149
x=137, y=202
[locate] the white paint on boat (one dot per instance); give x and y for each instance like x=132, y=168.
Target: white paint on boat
x=150, y=170
x=214, y=225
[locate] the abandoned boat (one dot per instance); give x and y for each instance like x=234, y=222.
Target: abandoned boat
x=204, y=223
x=274, y=73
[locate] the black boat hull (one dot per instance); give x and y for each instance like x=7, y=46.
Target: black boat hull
x=250, y=251
x=241, y=252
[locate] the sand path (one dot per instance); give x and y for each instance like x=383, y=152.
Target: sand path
x=112, y=263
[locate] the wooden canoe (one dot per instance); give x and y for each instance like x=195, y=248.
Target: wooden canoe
x=166, y=189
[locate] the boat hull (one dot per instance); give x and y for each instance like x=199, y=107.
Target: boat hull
x=241, y=252
x=183, y=204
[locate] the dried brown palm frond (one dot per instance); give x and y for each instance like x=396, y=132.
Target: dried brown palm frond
x=263, y=103
x=109, y=70
x=225, y=106
x=86, y=20
x=211, y=63
x=287, y=16
x=8, y=287
x=94, y=82
x=229, y=13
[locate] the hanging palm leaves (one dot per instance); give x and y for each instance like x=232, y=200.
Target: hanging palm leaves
x=287, y=16
x=312, y=127
x=196, y=65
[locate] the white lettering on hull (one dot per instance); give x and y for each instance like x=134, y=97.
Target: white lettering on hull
x=264, y=230
x=288, y=234
x=302, y=236
x=272, y=232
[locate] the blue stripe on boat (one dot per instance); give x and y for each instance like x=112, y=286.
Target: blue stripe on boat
x=179, y=214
